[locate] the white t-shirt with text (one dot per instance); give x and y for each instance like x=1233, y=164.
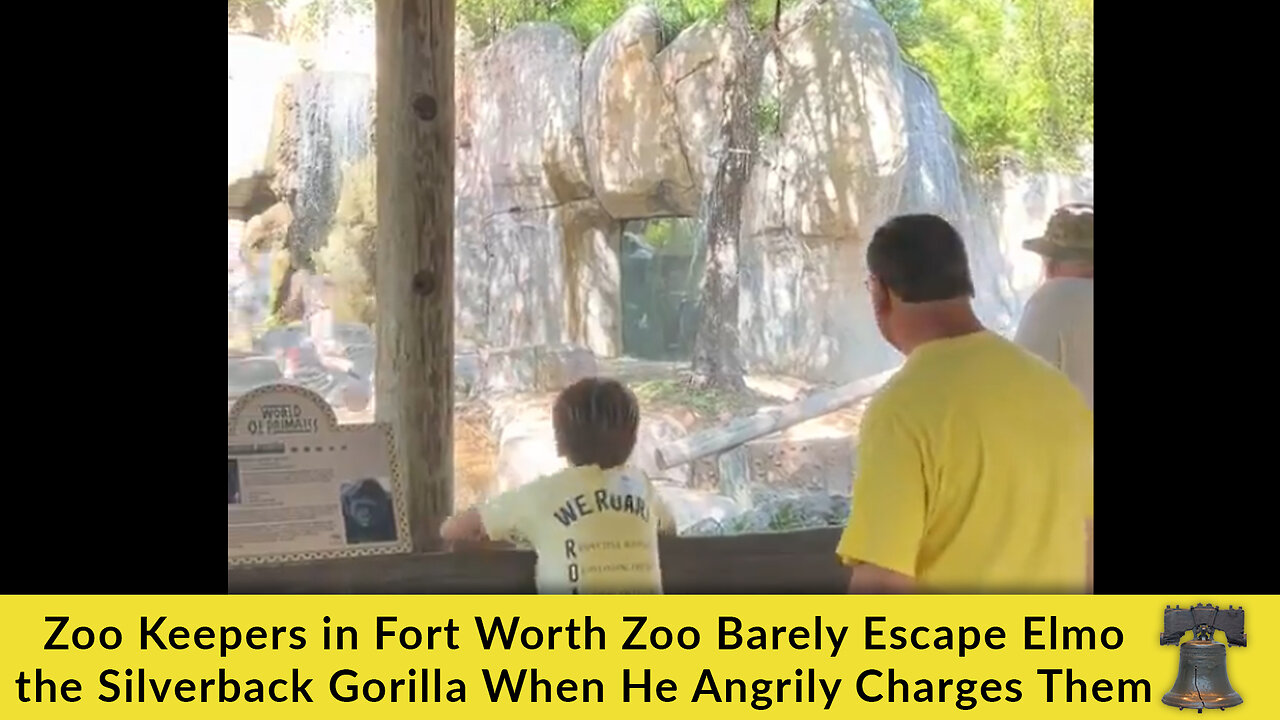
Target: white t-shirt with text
x=595, y=531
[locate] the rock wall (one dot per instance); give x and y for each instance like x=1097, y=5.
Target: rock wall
x=861, y=136
x=633, y=136
x=526, y=215
x=559, y=145
x=256, y=72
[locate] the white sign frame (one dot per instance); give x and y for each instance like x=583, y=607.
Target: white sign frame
x=316, y=413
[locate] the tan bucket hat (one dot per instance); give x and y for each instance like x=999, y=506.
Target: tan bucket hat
x=1068, y=235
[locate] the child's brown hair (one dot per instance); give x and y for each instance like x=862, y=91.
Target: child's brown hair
x=595, y=421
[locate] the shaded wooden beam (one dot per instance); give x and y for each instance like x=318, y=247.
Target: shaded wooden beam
x=716, y=440
x=414, y=285
x=802, y=562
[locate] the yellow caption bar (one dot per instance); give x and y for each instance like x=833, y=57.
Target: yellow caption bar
x=578, y=656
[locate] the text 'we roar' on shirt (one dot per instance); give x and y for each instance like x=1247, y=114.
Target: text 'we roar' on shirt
x=595, y=531
x=580, y=506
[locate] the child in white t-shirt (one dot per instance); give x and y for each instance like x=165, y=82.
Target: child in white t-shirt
x=595, y=524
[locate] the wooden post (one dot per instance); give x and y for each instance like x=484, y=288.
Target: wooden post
x=414, y=292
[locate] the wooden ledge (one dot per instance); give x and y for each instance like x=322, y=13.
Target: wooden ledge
x=801, y=562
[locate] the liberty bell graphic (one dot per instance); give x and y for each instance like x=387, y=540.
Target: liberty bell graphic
x=1202, y=662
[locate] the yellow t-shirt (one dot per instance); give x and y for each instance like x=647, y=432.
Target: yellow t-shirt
x=595, y=531
x=975, y=472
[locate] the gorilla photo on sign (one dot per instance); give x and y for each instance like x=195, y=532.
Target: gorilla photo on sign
x=367, y=512
x=233, y=481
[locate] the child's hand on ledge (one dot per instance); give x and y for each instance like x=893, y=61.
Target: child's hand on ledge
x=466, y=531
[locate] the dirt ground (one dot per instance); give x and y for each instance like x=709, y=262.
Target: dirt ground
x=475, y=451
x=699, y=410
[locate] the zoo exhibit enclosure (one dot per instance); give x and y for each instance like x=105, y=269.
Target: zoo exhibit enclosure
x=527, y=268
x=796, y=561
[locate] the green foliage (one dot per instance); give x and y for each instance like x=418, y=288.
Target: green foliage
x=585, y=18
x=486, y=19
x=314, y=16
x=768, y=116
x=279, y=268
x=311, y=17
x=671, y=236
x=658, y=234
x=349, y=256
x=588, y=18
x=241, y=10
x=709, y=403
x=1016, y=76
x=779, y=510
x=237, y=5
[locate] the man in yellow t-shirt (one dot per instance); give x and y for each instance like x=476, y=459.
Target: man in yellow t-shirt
x=594, y=525
x=975, y=461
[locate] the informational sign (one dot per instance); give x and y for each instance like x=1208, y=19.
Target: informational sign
x=302, y=487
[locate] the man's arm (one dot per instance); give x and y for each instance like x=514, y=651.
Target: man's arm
x=886, y=521
x=1038, y=333
x=870, y=579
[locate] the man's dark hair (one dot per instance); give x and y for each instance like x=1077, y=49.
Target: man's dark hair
x=595, y=422
x=920, y=258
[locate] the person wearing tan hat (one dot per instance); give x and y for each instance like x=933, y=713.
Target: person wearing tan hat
x=1057, y=323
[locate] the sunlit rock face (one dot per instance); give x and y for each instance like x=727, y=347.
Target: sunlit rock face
x=862, y=137
x=535, y=252
x=559, y=145
x=635, y=158
x=256, y=73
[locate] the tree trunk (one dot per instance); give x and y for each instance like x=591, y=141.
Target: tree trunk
x=717, y=361
x=414, y=291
